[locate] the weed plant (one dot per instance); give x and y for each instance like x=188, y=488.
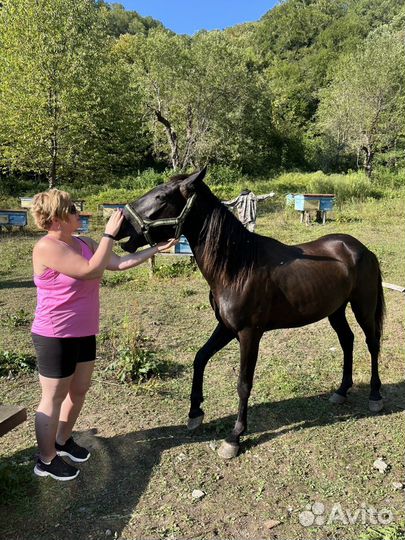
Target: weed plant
x=133, y=358
x=13, y=363
x=117, y=278
x=15, y=320
x=395, y=531
x=183, y=268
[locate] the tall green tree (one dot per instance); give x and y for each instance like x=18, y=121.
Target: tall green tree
x=121, y=21
x=200, y=94
x=299, y=42
x=363, y=107
x=61, y=95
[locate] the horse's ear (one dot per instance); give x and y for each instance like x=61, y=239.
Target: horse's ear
x=189, y=184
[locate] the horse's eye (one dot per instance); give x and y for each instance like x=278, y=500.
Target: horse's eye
x=160, y=197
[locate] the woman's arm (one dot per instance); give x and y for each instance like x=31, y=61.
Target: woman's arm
x=133, y=259
x=61, y=258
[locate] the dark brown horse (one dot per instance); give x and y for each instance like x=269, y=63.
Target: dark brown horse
x=258, y=284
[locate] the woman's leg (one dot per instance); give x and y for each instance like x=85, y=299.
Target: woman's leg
x=73, y=402
x=54, y=391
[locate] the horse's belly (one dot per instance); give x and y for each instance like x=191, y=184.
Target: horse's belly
x=307, y=305
x=295, y=299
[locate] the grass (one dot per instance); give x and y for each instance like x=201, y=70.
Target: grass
x=226, y=183
x=144, y=466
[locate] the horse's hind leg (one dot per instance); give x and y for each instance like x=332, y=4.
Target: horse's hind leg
x=366, y=319
x=339, y=323
x=218, y=340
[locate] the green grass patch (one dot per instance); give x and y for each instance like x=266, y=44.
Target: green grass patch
x=15, y=363
x=182, y=268
x=396, y=531
x=132, y=353
x=15, y=320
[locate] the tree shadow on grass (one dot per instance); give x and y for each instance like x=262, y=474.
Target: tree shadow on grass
x=107, y=491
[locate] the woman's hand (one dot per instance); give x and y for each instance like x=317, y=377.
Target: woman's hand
x=162, y=246
x=114, y=223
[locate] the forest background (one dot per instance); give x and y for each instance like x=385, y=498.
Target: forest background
x=94, y=95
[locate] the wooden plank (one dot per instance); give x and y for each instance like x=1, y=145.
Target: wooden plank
x=393, y=287
x=10, y=417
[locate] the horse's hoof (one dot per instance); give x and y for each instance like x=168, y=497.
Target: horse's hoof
x=194, y=423
x=228, y=450
x=375, y=405
x=337, y=399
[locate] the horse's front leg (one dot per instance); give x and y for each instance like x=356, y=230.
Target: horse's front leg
x=249, y=339
x=218, y=340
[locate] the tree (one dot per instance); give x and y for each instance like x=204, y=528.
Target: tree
x=120, y=21
x=201, y=95
x=62, y=100
x=362, y=108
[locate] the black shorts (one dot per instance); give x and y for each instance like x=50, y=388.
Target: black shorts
x=57, y=357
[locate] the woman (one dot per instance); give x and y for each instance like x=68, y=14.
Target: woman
x=67, y=273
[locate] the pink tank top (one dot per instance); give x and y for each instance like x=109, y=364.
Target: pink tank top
x=67, y=307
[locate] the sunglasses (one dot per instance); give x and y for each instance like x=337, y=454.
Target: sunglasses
x=72, y=209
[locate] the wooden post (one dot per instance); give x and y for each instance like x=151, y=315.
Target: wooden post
x=152, y=265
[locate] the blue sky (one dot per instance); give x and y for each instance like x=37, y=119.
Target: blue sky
x=189, y=16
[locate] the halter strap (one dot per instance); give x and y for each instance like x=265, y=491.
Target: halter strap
x=143, y=225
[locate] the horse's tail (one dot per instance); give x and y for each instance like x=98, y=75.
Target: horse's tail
x=380, y=308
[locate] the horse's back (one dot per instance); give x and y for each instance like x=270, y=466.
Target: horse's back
x=343, y=247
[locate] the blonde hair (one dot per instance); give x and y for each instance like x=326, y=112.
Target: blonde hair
x=48, y=205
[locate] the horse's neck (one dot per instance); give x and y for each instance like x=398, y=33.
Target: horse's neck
x=212, y=251
x=196, y=233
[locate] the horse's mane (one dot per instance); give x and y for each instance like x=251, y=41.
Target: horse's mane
x=230, y=250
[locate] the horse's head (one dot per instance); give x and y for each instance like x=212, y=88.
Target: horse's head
x=160, y=213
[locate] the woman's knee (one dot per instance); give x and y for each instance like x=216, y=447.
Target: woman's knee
x=79, y=390
x=52, y=399
x=54, y=390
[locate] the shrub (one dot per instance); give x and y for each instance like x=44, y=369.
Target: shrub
x=388, y=179
x=134, y=363
x=144, y=180
x=110, y=195
x=222, y=174
x=346, y=187
x=184, y=268
x=116, y=278
x=17, y=319
x=133, y=357
x=12, y=363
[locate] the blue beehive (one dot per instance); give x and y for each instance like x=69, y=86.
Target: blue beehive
x=312, y=201
x=84, y=223
x=183, y=247
x=26, y=202
x=13, y=218
x=108, y=208
x=289, y=199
